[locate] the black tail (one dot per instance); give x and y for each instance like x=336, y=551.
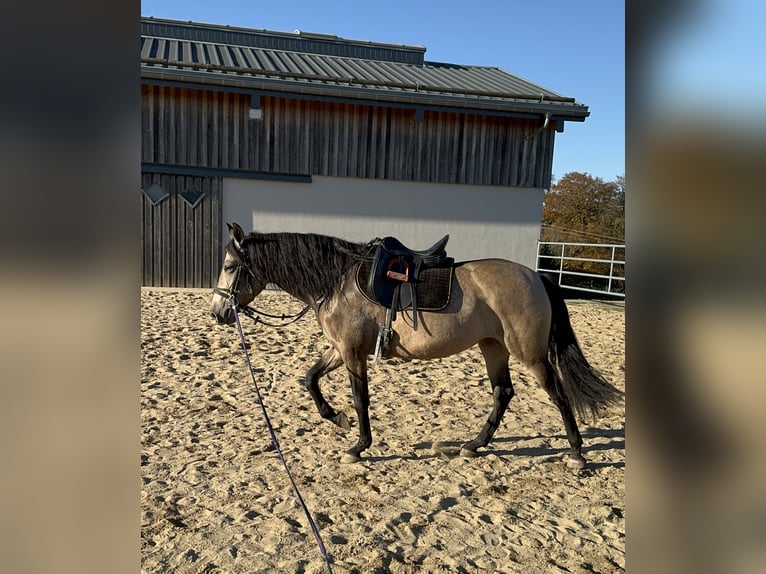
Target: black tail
x=586, y=390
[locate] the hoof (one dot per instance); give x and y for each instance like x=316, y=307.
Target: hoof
x=468, y=453
x=576, y=462
x=342, y=421
x=445, y=450
x=350, y=458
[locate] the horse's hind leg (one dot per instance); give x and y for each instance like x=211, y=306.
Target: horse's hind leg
x=496, y=359
x=329, y=361
x=543, y=371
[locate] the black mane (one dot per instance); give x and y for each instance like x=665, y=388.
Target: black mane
x=306, y=265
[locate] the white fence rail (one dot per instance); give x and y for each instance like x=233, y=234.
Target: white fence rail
x=613, y=282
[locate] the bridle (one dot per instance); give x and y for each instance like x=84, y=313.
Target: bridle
x=233, y=291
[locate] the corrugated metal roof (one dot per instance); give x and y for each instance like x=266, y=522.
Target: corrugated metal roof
x=331, y=66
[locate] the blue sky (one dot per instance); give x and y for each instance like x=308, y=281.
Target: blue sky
x=710, y=65
x=574, y=48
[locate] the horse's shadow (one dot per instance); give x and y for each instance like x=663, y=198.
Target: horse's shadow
x=501, y=447
x=615, y=438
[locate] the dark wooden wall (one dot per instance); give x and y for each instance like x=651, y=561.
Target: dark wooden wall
x=181, y=244
x=212, y=129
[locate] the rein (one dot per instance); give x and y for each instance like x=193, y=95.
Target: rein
x=253, y=313
x=274, y=440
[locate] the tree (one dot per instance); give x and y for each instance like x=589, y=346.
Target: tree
x=585, y=209
x=580, y=208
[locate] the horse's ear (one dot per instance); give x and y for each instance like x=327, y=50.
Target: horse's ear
x=236, y=234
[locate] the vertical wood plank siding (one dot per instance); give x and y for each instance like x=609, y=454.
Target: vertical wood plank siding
x=212, y=129
x=182, y=246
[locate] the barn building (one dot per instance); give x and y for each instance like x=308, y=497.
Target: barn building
x=315, y=133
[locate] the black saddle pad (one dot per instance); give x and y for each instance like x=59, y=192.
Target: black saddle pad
x=434, y=285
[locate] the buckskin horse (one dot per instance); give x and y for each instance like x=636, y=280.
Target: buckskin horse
x=504, y=307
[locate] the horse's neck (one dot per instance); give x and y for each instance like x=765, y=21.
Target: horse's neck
x=303, y=298
x=290, y=287
x=302, y=281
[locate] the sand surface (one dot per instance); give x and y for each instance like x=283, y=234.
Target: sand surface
x=215, y=497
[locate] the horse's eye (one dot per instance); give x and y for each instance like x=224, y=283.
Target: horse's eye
x=229, y=268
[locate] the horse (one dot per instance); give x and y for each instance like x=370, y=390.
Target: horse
x=504, y=307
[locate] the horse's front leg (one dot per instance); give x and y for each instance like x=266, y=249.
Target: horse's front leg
x=329, y=361
x=357, y=372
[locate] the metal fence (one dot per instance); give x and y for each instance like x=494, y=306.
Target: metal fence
x=552, y=258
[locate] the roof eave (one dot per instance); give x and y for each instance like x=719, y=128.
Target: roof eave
x=564, y=111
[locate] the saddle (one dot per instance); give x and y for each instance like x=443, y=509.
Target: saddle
x=397, y=277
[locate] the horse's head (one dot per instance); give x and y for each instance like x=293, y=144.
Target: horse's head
x=236, y=278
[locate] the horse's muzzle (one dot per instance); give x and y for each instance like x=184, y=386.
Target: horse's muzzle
x=224, y=318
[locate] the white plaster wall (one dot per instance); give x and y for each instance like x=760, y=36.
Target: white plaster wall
x=482, y=221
